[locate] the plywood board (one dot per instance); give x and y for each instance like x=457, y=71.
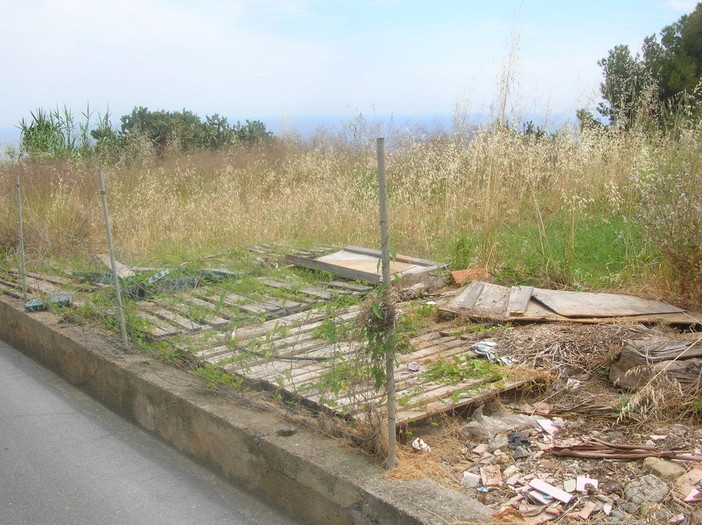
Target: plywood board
x=586, y=304
x=490, y=301
x=363, y=264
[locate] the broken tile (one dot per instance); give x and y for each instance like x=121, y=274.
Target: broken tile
x=546, y=488
x=480, y=449
x=491, y=475
x=569, y=485
x=470, y=480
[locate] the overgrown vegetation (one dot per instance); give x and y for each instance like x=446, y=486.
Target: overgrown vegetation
x=60, y=134
x=609, y=208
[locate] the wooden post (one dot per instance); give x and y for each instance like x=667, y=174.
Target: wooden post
x=20, y=234
x=387, y=282
x=113, y=261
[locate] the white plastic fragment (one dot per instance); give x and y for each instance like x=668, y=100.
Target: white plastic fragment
x=548, y=426
x=413, y=366
x=552, y=491
x=582, y=482
x=694, y=495
x=420, y=446
x=572, y=384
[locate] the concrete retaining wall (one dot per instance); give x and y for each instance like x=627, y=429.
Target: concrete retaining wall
x=310, y=477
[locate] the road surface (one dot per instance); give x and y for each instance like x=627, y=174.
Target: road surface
x=66, y=459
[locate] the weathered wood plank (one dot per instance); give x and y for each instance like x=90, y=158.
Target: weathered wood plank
x=401, y=258
x=123, y=271
x=172, y=317
x=158, y=329
x=307, y=290
x=468, y=297
x=414, y=415
x=519, y=297
x=586, y=304
x=335, y=269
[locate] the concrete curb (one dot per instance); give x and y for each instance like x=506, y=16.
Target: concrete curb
x=305, y=474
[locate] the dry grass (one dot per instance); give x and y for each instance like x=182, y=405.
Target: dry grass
x=481, y=184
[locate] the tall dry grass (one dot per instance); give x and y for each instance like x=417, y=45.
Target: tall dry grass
x=499, y=191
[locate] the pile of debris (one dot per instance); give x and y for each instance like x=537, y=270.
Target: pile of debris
x=533, y=469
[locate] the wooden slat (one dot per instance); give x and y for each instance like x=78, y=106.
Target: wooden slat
x=175, y=318
x=10, y=290
x=519, y=297
x=158, y=329
x=415, y=415
x=468, y=297
x=307, y=290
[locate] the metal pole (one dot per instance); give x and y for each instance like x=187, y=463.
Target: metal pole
x=389, y=350
x=113, y=262
x=20, y=233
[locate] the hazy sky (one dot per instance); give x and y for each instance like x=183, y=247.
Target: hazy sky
x=263, y=59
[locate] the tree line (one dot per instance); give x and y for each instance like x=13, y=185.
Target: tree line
x=60, y=133
x=659, y=81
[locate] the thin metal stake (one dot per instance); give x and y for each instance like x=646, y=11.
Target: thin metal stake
x=20, y=233
x=389, y=350
x=113, y=262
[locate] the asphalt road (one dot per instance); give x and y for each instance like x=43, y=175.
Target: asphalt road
x=66, y=459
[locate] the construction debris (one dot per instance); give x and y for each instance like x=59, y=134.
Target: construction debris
x=362, y=264
x=483, y=300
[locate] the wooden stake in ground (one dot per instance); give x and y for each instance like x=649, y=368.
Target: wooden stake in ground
x=20, y=234
x=385, y=255
x=113, y=261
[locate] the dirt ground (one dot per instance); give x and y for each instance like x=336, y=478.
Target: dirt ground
x=579, y=410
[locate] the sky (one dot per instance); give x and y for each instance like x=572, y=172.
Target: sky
x=284, y=61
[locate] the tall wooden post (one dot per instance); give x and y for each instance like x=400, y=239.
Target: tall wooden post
x=113, y=261
x=387, y=282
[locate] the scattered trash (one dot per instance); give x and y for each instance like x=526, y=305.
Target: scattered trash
x=572, y=384
x=584, y=512
x=491, y=475
x=413, y=366
x=420, y=446
x=36, y=305
x=581, y=483
x=489, y=426
x=470, y=479
x=516, y=440
x=686, y=487
x=487, y=349
x=570, y=485
x=596, y=448
x=550, y=490
x=548, y=426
